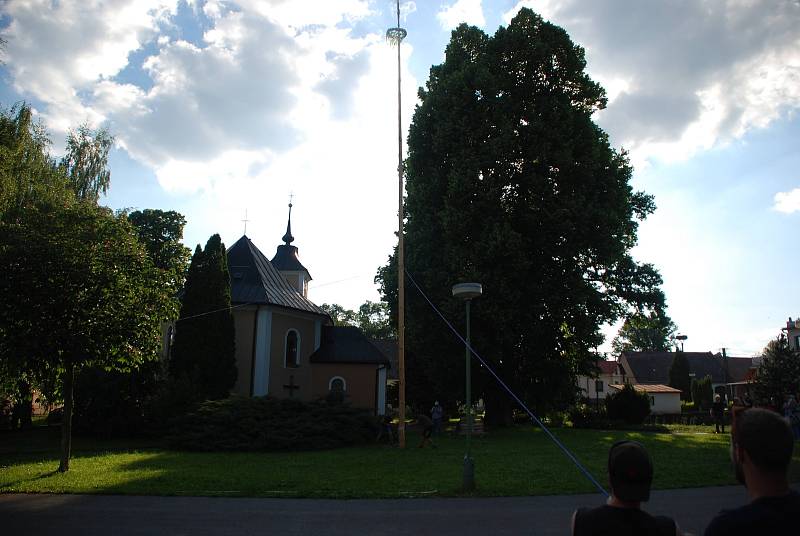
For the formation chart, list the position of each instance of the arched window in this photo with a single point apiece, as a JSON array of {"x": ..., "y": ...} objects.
[
  {"x": 292, "y": 355},
  {"x": 337, "y": 385}
]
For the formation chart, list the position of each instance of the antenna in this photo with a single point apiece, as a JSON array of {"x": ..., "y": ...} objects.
[{"x": 395, "y": 36}]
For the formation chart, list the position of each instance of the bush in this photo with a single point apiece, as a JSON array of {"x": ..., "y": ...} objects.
[
  {"x": 588, "y": 416},
  {"x": 266, "y": 423},
  {"x": 687, "y": 407},
  {"x": 628, "y": 405}
]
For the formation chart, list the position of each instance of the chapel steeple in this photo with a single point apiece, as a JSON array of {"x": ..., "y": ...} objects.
[{"x": 287, "y": 261}]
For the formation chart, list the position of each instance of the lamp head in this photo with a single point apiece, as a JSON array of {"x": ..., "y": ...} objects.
[{"x": 467, "y": 291}]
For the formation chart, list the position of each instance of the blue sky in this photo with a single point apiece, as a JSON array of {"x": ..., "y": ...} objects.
[{"x": 220, "y": 107}]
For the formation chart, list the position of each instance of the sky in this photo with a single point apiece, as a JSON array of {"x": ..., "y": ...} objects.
[{"x": 222, "y": 110}]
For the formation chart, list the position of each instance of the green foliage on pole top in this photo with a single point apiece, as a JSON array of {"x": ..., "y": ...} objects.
[
  {"x": 645, "y": 332},
  {"x": 511, "y": 184},
  {"x": 628, "y": 405},
  {"x": 679, "y": 375},
  {"x": 702, "y": 393},
  {"x": 203, "y": 352},
  {"x": 779, "y": 373}
]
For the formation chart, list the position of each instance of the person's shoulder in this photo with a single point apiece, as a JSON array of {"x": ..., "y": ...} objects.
[{"x": 770, "y": 512}]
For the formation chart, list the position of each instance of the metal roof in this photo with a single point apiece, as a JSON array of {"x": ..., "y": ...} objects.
[
  {"x": 286, "y": 259},
  {"x": 347, "y": 344},
  {"x": 254, "y": 280},
  {"x": 647, "y": 388},
  {"x": 653, "y": 367}
]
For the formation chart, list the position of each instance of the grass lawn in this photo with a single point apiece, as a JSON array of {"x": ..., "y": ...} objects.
[{"x": 519, "y": 461}]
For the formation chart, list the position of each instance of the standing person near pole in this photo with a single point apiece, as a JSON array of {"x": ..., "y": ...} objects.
[
  {"x": 718, "y": 413},
  {"x": 437, "y": 413},
  {"x": 427, "y": 429}
]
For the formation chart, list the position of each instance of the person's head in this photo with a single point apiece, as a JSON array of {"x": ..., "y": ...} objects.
[
  {"x": 716, "y": 398},
  {"x": 436, "y": 403},
  {"x": 630, "y": 471},
  {"x": 762, "y": 440}
]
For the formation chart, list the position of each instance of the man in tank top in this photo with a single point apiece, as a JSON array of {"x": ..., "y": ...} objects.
[{"x": 630, "y": 474}]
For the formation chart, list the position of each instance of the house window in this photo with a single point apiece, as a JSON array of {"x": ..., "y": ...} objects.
[
  {"x": 337, "y": 385},
  {"x": 598, "y": 386},
  {"x": 797, "y": 342},
  {"x": 292, "y": 355}
]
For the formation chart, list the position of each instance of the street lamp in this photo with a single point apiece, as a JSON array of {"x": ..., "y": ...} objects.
[{"x": 468, "y": 291}]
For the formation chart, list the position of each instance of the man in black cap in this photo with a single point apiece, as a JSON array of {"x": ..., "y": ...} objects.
[
  {"x": 630, "y": 474},
  {"x": 761, "y": 450}
]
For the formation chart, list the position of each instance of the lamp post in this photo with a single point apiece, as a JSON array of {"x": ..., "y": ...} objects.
[
  {"x": 468, "y": 291},
  {"x": 682, "y": 338}
]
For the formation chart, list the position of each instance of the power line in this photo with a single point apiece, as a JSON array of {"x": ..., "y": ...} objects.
[
  {"x": 533, "y": 417},
  {"x": 212, "y": 312}
]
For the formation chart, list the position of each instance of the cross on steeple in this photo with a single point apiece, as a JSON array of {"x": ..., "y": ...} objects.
[
  {"x": 245, "y": 220},
  {"x": 291, "y": 386}
]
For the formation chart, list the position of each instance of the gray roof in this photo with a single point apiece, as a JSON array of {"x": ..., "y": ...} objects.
[
  {"x": 254, "y": 280},
  {"x": 653, "y": 367},
  {"x": 388, "y": 347},
  {"x": 287, "y": 260},
  {"x": 347, "y": 344}
]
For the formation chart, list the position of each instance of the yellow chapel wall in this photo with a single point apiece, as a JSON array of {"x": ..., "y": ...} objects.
[
  {"x": 279, "y": 374},
  {"x": 244, "y": 322},
  {"x": 360, "y": 380}
]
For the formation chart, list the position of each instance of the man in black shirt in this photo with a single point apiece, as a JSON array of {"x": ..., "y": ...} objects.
[
  {"x": 630, "y": 473},
  {"x": 761, "y": 450}
]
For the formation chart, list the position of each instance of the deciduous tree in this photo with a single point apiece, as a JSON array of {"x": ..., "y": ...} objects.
[
  {"x": 645, "y": 332},
  {"x": 511, "y": 184},
  {"x": 78, "y": 291},
  {"x": 779, "y": 373},
  {"x": 86, "y": 161}
]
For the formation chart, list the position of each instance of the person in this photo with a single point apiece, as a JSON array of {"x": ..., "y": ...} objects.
[
  {"x": 436, "y": 414},
  {"x": 630, "y": 474},
  {"x": 427, "y": 429},
  {"x": 386, "y": 430},
  {"x": 748, "y": 402},
  {"x": 718, "y": 412},
  {"x": 761, "y": 450}
]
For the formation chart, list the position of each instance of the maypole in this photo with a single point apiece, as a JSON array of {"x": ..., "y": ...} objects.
[{"x": 395, "y": 36}]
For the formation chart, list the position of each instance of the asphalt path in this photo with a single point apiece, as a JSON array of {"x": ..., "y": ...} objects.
[{"x": 89, "y": 515}]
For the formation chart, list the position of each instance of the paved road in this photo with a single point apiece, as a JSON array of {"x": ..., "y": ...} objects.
[{"x": 63, "y": 515}]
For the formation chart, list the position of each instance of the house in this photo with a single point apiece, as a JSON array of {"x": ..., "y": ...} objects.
[
  {"x": 663, "y": 398},
  {"x": 792, "y": 330},
  {"x": 594, "y": 387},
  {"x": 286, "y": 346},
  {"x": 652, "y": 368}
]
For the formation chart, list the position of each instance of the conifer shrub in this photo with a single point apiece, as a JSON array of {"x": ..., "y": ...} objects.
[
  {"x": 628, "y": 405},
  {"x": 267, "y": 423}
]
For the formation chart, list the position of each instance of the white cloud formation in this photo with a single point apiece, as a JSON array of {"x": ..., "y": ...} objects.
[
  {"x": 56, "y": 50},
  {"x": 685, "y": 76},
  {"x": 787, "y": 202},
  {"x": 469, "y": 11}
]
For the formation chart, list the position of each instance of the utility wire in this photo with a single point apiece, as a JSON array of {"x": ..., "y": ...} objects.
[
  {"x": 533, "y": 417},
  {"x": 212, "y": 312}
]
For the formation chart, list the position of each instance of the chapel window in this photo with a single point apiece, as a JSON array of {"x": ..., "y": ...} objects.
[
  {"x": 292, "y": 358},
  {"x": 337, "y": 385}
]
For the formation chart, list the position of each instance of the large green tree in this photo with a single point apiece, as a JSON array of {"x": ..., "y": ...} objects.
[
  {"x": 86, "y": 161},
  {"x": 779, "y": 372},
  {"x": 77, "y": 291},
  {"x": 27, "y": 171},
  {"x": 511, "y": 184},
  {"x": 161, "y": 232},
  {"x": 203, "y": 353},
  {"x": 653, "y": 331}
]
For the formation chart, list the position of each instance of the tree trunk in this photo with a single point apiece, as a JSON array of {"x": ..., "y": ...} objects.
[
  {"x": 66, "y": 423},
  {"x": 499, "y": 409}
]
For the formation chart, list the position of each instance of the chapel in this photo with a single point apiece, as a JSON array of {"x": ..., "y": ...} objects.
[{"x": 287, "y": 346}]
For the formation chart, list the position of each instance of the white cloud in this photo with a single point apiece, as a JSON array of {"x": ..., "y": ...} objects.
[
  {"x": 787, "y": 202},
  {"x": 695, "y": 75},
  {"x": 469, "y": 11}
]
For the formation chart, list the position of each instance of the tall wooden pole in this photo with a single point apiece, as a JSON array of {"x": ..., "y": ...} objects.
[{"x": 395, "y": 36}]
